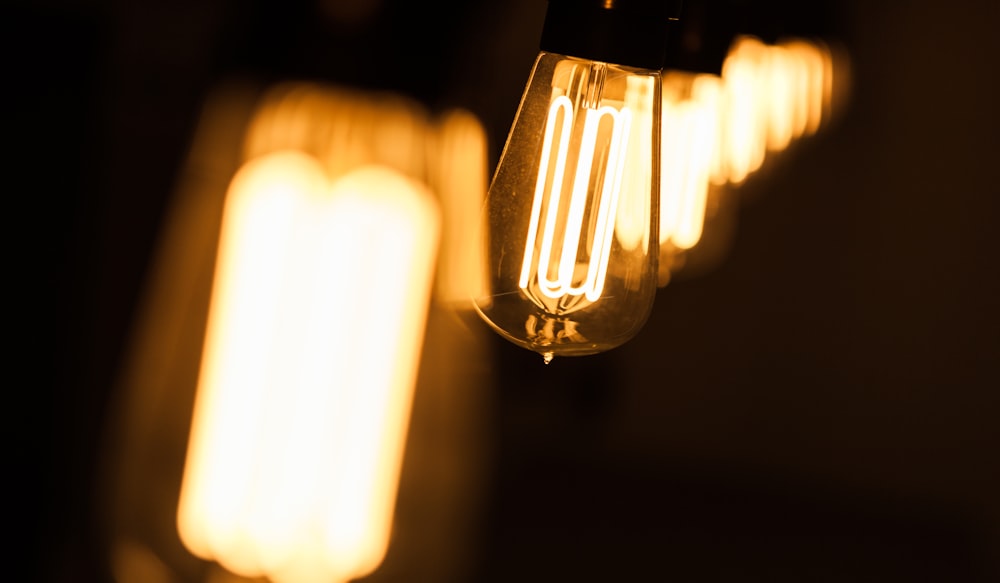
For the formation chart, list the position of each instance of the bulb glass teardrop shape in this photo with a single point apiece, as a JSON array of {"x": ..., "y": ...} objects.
[{"x": 571, "y": 214}]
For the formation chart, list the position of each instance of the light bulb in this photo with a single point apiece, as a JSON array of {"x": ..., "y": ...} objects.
[
  {"x": 689, "y": 149},
  {"x": 772, "y": 95},
  {"x": 319, "y": 310},
  {"x": 311, "y": 356},
  {"x": 571, "y": 213}
]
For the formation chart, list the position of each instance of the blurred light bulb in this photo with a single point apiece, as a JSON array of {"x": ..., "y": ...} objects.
[
  {"x": 311, "y": 356},
  {"x": 729, "y": 101},
  {"x": 689, "y": 152},
  {"x": 772, "y": 96},
  {"x": 571, "y": 212},
  {"x": 689, "y": 148},
  {"x": 457, "y": 172},
  {"x": 318, "y": 299}
]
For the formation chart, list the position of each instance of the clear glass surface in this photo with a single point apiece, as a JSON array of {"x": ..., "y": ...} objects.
[{"x": 571, "y": 214}]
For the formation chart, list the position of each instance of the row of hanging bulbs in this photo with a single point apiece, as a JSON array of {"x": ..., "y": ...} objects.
[
  {"x": 606, "y": 174},
  {"x": 349, "y": 214},
  {"x": 338, "y": 231}
]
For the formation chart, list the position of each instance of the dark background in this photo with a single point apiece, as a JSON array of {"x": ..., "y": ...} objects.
[{"x": 820, "y": 405}]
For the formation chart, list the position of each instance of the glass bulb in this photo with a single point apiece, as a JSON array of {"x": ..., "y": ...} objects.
[{"x": 571, "y": 214}]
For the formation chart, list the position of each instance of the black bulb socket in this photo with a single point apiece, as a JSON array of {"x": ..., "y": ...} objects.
[{"x": 633, "y": 33}]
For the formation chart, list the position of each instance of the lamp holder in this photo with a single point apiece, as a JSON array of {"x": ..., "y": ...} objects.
[{"x": 633, "y": 33}]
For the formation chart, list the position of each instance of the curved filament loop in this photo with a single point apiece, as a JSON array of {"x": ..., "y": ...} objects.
[
  {"x": 607, "y": 203},
  {"x": 564, "y": 103}
]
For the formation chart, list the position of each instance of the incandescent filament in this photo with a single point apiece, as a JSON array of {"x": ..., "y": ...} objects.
[{"x": 569, "y": 239}]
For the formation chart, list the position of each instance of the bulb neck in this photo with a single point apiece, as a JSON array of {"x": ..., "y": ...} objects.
[{"x": 632, "y": 33}]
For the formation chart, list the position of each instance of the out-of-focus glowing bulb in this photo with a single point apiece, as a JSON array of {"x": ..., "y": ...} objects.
[
  {"x": 744, "y": 110},
  {"x": 310, "y": 359},
  {"x": 571, "y": 212},
  {"x": 772, "y": 95},
  {"x": 718, "y": 129},
  {"x": 813, "y": 64},
  {"x": 457, "y": 172},
  {"x": 689, "y": 147}
]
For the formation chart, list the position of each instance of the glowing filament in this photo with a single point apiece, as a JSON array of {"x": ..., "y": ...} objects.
[{"x": 568, "y": 231}]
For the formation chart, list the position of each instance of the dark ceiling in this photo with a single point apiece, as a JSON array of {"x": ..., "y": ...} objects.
[{"x": 819, "y": 405}]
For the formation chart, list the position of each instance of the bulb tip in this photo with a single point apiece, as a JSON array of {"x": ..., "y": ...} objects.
[{"x": 547, "y": 357}]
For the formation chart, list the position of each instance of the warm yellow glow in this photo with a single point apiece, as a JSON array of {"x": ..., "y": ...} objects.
[
  {"x": 561, "y": 233},
  {"x": 815, "y": 77},
  {"x": 718, "y": 130},
  {"x": 632, "y": 219},
  {"x": 744, "y": 117},
  {"x": 458, "y": 174},
  {"x": 772, "y": 95},
  {"x": 689, "y": 148},
  {"x": 342, "y": 129},
  {"x": 571, "y": 210},
  {"x": 310, "y": 359},
  {"x": 779, "y": 76}
]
